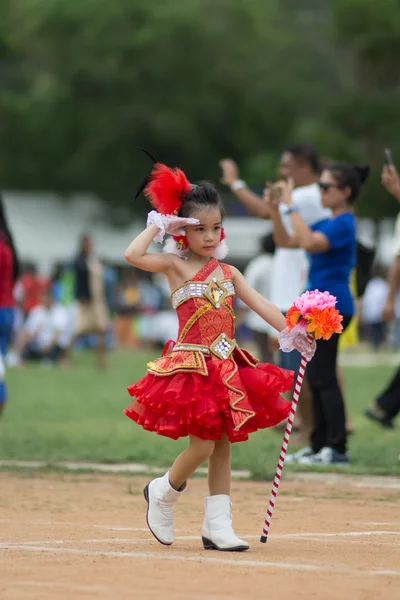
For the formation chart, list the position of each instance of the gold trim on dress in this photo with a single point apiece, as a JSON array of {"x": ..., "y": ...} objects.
[
  {"x": 247, "y": 356},
  {"x": 197, "y": 366},
  {"x": 195, "y": 317},
  {"x": 241, "y": 394},
  {"x": 229, "y": 309}
]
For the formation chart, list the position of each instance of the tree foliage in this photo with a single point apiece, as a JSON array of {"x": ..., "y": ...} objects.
[{"x": 83, "y": 83}]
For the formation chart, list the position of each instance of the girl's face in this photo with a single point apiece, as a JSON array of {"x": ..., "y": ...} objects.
[
  {"x": 333, "y": 196},
  {"x": 205, "y": 237}
]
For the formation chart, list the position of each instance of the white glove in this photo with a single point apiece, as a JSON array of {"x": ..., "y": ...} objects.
[
  {"x": 168, "y": 224},
  {"x": 297, "y": 340}
]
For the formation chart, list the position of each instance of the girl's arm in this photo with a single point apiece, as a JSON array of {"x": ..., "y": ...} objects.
[
  {"x": 136, "y": 254},
  {"x": 267, "y": 311}
]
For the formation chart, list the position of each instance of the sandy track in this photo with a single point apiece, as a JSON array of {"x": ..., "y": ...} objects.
[{"x": 84, "y": 537}]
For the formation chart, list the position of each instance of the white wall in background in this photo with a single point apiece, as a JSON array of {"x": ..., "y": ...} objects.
[{"x": 47, "y": 230}]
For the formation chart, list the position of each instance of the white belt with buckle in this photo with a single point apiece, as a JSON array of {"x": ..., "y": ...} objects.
[{"x": 222, "y": 347}]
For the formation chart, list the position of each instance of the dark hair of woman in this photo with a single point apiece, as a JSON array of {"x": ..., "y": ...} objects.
[
  {"x": 351, "y": 176},
  {"x": 202, "y": 195},
  {"x": 5, "y": 229}
]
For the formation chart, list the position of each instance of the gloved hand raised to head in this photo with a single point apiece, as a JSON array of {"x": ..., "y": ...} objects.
[{"x": 169, "y": 224}]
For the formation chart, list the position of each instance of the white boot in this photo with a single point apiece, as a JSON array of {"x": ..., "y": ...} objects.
[
  {"x": 161, "y": 497},
  {"x": 217, "y": 526}
]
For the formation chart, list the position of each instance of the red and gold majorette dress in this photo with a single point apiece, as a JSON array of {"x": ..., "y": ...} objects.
[{"x": 207, "y": 385}]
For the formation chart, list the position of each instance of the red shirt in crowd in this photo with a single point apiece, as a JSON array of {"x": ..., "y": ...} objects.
[
  {"x": 29, "y": 289},
  {"x": 6, "y": 274}
]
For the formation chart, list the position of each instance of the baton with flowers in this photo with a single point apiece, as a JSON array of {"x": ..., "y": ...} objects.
[{"x": 314, "y": 313}]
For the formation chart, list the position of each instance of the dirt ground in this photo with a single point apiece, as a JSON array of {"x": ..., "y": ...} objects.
[{"x": 84, "y": 537}]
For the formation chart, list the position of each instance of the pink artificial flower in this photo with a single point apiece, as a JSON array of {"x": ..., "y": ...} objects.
[{"x": 315, "y": 299}]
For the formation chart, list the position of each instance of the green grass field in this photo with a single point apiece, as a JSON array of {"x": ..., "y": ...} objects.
[{"x": 77, "y": 414}]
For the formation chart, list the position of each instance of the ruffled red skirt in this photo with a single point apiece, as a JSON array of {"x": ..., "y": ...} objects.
[{"x": 190, "y": 403}]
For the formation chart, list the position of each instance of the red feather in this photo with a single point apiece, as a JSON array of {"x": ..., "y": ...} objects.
[{"x": 166, "y": 189}]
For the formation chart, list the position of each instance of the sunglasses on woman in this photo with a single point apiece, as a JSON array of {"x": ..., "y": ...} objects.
[{"x": 324, "y": 187}]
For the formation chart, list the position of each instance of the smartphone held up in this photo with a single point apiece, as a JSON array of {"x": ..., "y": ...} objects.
[{"x": 388, "y": 157}]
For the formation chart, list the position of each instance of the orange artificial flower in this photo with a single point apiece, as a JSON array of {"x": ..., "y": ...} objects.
[
  {"x": 292, "y": 317},
  {"x": 323, "y": 324}
]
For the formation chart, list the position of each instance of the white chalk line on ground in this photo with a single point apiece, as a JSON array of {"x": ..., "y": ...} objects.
[
  {"x": 136, "y": 468},
  {"x": 293, "y": 476},
  {"x": 145, "y": 529},
  {"x": 165, "y": 556},
  {"x": 375, "y": 523},
  {"x": 317, "y": 537},
  {"x": 73, "y": 587},
  {"x": 112, "y": 591},
  {"x": 73, "y": 524}
]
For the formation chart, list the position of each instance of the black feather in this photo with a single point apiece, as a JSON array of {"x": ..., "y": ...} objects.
[
  {"x": 141, "y": 187},
  {"x": 145, "y": 181},
  {"x": 148, "y": 154}
]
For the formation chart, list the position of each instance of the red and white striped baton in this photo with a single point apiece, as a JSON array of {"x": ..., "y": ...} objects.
[{"x": 282, "y": 456}]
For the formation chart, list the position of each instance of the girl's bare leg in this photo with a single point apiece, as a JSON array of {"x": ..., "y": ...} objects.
[
  {"x": 189, "y": 460},
  {"x": 219, "y": 468}
]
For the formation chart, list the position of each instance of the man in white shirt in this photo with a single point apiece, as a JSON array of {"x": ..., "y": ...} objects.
[
  {"x": 290, "y": 266},
  {"x": 46, "y": 334}
]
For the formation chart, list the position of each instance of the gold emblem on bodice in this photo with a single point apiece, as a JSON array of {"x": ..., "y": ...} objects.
[{"x": 215, "y": 293}]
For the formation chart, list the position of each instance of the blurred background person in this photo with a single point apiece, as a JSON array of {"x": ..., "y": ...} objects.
[
  {"x": 56, "y": 284},
  {"x": 288, "y": 276},
  {"x": 331, "y": 245},
  {"x": 90, "y": 296},
  {"x": 387, "y": 405},
  {"x": 29, "y": 287},
  {"x": 27, "y": 292},
  {"x": 372, "y": 307},
  {"x": 9, "y": 272},
  {"x": 126, "y": 309},
  {"x": 45, "y": 335},
  {"x": 258, "y": 276},
  {"x": 300, "y": 162},
  {"x": 150, "y": 326}
]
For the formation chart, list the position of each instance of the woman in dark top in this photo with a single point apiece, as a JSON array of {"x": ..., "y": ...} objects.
[
  {"x": 331, "y": 244},
  {"x": 9, "y": 273}
]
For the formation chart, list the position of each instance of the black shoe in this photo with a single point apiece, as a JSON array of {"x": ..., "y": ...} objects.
[{"x": 372, "y": 414}]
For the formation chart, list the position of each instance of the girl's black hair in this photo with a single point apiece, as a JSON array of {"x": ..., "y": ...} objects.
[
  {"x": 5, "y": 229},
  {"x": 351, "y": 176},
  {"x": 202, "y": 195}
]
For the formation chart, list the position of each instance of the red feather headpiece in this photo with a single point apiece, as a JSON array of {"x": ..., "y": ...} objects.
[{"x": 166, "y": 189}]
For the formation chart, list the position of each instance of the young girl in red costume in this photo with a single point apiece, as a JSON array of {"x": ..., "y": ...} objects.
[{"x": 205, "y": 386}]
